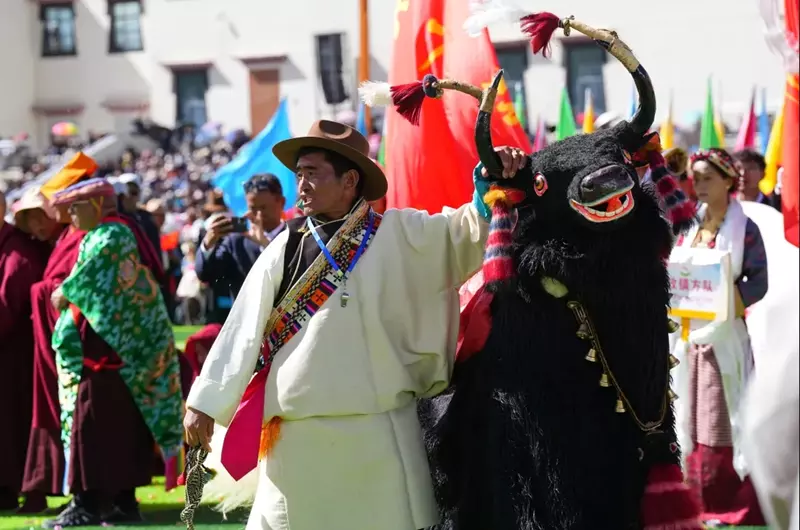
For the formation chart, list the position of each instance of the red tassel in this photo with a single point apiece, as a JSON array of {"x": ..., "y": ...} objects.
[
  {"x": 668, "y": 503},
  {"x": 408, "y": 100},
  {"x": 540, "y": 28}
]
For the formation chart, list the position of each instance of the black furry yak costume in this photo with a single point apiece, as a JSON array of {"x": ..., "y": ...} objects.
[{"x": 559, "y": 414}]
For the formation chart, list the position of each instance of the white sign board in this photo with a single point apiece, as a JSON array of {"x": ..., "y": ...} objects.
[{"x": 700, "y": 283}]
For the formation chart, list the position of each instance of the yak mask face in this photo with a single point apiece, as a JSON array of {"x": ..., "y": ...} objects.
[{"x": 589, "y": 180}]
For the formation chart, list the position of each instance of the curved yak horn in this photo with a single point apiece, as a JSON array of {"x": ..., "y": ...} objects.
[
  {"x": 540, "y": 27},
  {"x": 483, "y": 129}
]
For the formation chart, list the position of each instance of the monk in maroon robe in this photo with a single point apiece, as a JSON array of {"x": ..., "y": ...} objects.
[
  {"x": 21, "y": 265},
  {"x": 44, "y": 465}
]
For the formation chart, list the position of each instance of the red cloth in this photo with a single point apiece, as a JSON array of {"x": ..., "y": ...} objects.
[
  {"x": 204, "y": 339},
  {"x": 44, "y": 466},
  {"x": 430, "y": 166},
  {"x": 667, "y": 501},
  {"x": 21, "y": 265},
  {"x": 292, "y": 213},
  {"x": 147, "y": 254},
  {"x": 790, "y": 193},
  {"x": 475, "y": 325},
  {"x": 722, "y": 494}
]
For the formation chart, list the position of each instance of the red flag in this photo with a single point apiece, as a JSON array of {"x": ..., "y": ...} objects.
[
  {"x": 746, "y": 139},
  {"x": 430, "y": 166},
  {"x": 791, "y": 138}
]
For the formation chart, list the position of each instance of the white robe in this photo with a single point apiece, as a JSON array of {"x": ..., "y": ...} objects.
[
  {"x": 729, "y": 338},
  {"x": 351, "y": 454},
  {"x": 772, "y": 405}
]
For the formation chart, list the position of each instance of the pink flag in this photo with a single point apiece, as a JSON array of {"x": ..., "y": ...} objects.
[
  {"x": 746, "y": 139},
  {"x": 540, "y": 141}
]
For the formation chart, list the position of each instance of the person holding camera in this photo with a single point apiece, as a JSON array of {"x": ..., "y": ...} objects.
[{"x": 229, "y": 247}]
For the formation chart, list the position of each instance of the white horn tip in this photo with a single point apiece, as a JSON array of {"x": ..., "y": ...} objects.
[{"x": 375, "y": 94}]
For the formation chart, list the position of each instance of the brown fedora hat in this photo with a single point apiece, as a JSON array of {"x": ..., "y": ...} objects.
[{"x": 343, "y": 140}]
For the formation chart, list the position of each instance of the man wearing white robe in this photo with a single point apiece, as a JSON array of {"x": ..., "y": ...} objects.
[{"x": 350, "y": 454}]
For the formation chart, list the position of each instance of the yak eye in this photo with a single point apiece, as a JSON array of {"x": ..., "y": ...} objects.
[
  {"x": 539, "y": 184},
  {"x": 627, "y": 156}
]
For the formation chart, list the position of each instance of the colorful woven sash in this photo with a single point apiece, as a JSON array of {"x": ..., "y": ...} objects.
[{"x": 249, "y": 438}]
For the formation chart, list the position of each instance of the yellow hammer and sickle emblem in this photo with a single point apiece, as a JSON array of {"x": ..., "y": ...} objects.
[{"x": 433, "y": 28}]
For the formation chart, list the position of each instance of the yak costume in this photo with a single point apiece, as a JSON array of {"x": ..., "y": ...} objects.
[{"x": 558, "y": 416}]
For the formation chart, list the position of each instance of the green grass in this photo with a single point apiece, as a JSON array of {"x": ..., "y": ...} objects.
[
  {"x": 181, "y": 334},
  {"x": 160, "y": 509}
]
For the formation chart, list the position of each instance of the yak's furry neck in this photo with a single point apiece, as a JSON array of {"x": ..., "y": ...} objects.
[{"x": 620, "y": 277}]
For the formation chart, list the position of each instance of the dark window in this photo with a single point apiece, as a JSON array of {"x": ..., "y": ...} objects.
[
  {"x": 58, "y": 30},
  {"x": 126, "y": 30},
  {"x": 584, "y": 64},
  {"x": 190, "y": 93},
  {"x": 513, "y": 59}
]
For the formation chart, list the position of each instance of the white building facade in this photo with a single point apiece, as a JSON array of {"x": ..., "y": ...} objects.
[{"x": 100, "y": 63}]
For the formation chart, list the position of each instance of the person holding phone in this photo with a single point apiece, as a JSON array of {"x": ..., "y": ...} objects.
[{"x": 231, "y": 245}]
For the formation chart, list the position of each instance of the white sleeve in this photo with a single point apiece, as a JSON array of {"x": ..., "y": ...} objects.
[
  {"x": 457, "y": 236},
  {"x": 232, "y": 360}
]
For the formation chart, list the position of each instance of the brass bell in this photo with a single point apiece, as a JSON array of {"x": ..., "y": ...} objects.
[
  {"x": 673, "y": 362},
  {"x": 583, "y": 332},
  {"x": 591, "y": 356},
  {"x": 620, "y": 408},
  {"x": 604, "y": 381},
  {"x": 671, "y": 395},
  {"x": 672, "y": 326}
]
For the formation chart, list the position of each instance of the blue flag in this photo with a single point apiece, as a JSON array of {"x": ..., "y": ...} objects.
[
  {"x": 361, "y": 120},
  {"x": 256, "y": 157},
  {"x": 763, "y": 124}
]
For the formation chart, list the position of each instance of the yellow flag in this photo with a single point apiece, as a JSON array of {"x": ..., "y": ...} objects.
[
  {"x": 667, "y": 131},
  {"x": 773, "y": 155},
  {"x": 588, "y": 112},
  {"x": 719, "y": 126}
]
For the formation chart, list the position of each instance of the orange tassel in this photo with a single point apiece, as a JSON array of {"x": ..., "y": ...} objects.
[{"x": 270, "y": 434}]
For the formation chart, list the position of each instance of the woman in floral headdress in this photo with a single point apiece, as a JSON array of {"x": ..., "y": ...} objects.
[{"x": 719, "y": 354}]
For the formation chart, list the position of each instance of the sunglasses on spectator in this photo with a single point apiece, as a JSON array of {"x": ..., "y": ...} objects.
[{"x": 263, "y": 183}]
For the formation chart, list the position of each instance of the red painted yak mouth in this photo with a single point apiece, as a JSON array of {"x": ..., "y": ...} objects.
[{"x": 607, "y": 209}]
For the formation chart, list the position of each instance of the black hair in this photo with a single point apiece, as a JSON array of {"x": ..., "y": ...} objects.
[
  {"x": 750, "y": 156},
  {"x": 264, "y": 182},
  {"x": 341, "y": 164}
]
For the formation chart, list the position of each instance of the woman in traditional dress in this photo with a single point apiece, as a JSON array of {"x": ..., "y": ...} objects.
[{"x": 719, "y": 354}]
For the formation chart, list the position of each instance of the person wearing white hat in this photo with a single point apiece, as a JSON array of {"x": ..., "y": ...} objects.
[{"x": 34, "y": 215}]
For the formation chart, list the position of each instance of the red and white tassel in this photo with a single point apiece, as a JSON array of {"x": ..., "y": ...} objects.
[
  {"x": 540, "y": 27},
  {"x": 407, "y": 99}
]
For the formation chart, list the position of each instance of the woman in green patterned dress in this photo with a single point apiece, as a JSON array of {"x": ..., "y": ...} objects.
[{"x": 116, "y": 359}]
